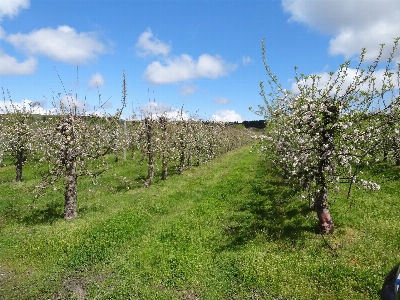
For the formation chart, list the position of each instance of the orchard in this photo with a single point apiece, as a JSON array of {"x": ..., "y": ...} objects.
[{"x": 69, "y": 143}]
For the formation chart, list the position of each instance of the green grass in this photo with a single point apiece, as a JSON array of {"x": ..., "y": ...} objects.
[{"x": 228, "y": 229}]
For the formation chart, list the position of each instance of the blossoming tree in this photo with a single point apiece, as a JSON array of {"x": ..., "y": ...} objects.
[
  {"x": 327, "y": 129},
  {"x": 75, "y": 144},
  {"x": 17, "y": 132}
]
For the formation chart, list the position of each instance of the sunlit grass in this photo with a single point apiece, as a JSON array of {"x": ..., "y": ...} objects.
[{"x": 228, "y": 229}]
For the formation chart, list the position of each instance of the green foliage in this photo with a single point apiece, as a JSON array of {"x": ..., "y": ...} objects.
[{"x": 224, "y": 230}]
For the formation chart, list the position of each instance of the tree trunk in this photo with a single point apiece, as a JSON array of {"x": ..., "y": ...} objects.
[
  {"x": 326, "y": 148},
  {"x": 69, "y": 162},
  {"x": 321, "y": 207},
  {"x": 150, "y": 171},
  {"x": 182, "y": 156},
  {"x": 70, "y": 207},
  {"x": 150, "y": 152},
  {"x": 164, "y": 156},
  {"x": 385, "y": 155},
  {"x": 189, "y": 159},
  {"x": 21, "y": 158},
  {"x": 181, "y": 161},
  {"x": 164, "y": 174},
  {"x": 396, "y": 151},
  {"x": 182, "y": 150},
  {"x": 199, "y": 155}
]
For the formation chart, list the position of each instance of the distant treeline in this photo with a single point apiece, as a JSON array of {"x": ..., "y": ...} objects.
[{"x": 260, "y": 124}]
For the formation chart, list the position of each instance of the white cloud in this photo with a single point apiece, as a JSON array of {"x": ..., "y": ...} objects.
[
  {"x": 221, "y": 100},
  {"x": 96, "y": 80},
  {"x": 61, "y": 44},
  {"x": 354, "y": 24},
  {"x": 246, "y": 60},
  {"x": 12, "y": 8},
  {"x": 184, "y": 68},
  {"x": 64, "y": 105},
  {"x": 172, "y": 69},
  {"x": 348, "y": 41},
  {"x": 27, "y": 105},
  {"x": 351, "y": 73},
  {"x": 188, "y": 89},
  {"x": 10, "y": 65},
  {"x": 226, "y": 116},
  {"x": 176, "y": 115},
  {"x": 149, "y": 45},
  {"x": 2, "y": 33},
  {"x": 156, "y": 109}
]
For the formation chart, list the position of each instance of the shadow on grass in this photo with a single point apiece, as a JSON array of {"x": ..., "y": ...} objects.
[
  {"x": 51, "y": 212},
  {"x": 270, "y": 211},
  {"x": 389, "y": 171}
]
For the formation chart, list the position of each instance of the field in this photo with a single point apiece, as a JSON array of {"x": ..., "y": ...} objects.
[{"x": 228, "y": 229}]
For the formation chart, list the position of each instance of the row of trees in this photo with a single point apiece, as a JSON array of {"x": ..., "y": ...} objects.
[
  {"x": 328, "y": 130},
  {"x": 69, "y": 143},
  {"x": 64, "y": 144},
  {"x": 183, "y": 143}
]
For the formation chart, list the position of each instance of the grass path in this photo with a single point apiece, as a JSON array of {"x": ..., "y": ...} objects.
[{"x": 225, "y": 230}]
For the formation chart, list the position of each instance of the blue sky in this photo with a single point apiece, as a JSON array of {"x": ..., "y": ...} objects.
[{"x": 204, "y": 56}]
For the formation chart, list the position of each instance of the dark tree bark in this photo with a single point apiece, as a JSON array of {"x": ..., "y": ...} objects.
[
  {"x": 182, "y": 158},
  {"x": 189, "y": 160},
  {"x": 182, "y": 150},
  {"x": 150, "y": 152},
  {"x": 321, "y": 205},
  {"x": 70, "y": 206},
  {"x": 66, "y": 128},
  {"x": 385, "y": 155},
  {"x": 164, "y": 174},
  {"x": 164, "y": 156},
  {"x": 19, "y": 163},
  {"x": 199, "y": 155},
  {"x": 396, "y": 152}
]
